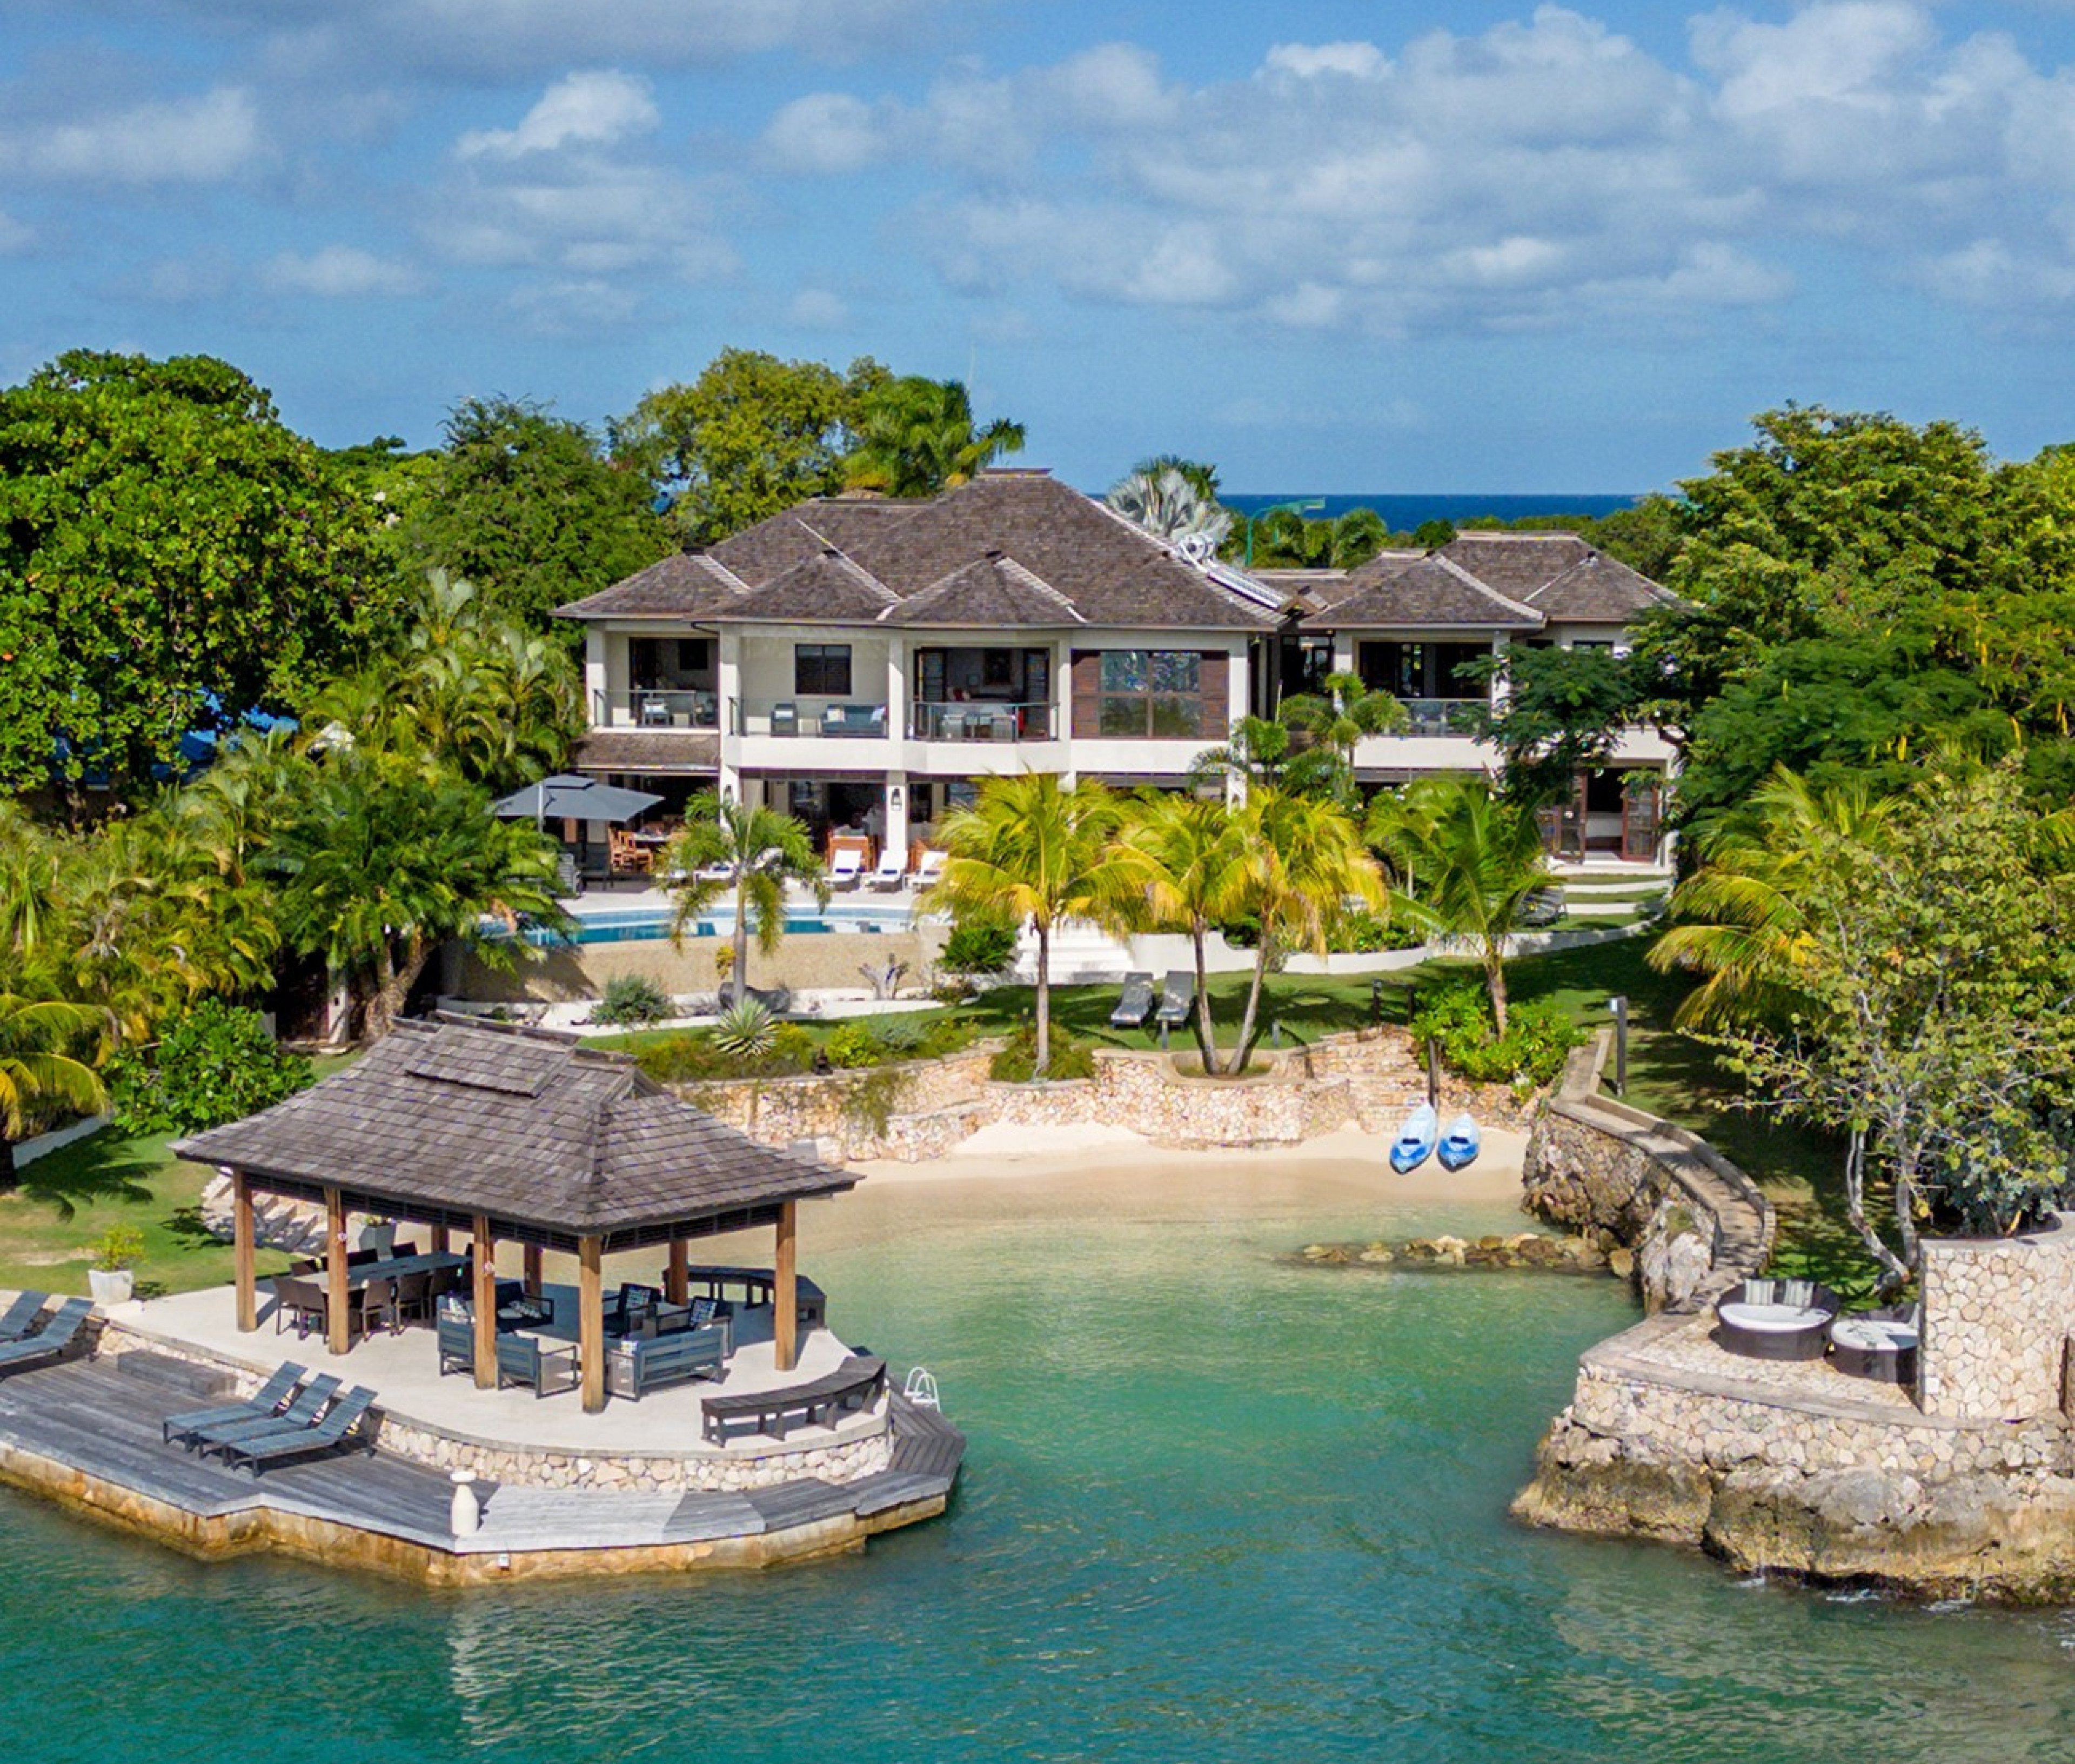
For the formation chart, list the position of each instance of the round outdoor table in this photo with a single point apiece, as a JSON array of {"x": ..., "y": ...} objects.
[{"x": 1882, "y": 1348}]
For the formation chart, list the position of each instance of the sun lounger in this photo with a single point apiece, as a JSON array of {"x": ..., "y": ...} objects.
[
  {"x": 21, "y": 1315},
  {"x": 845, "y": 868},
  {"x": 308, "y": 1405},
  {"x": 891, "y": 872},
  {"x": 1134, "y": 1004},
  {"x": 929, "y": 872},
  {"x": 264, "y": 1403},
  {"x": 58, "y": 1335},
  {"x": 1177, "y": 995},
  {"x": 340, "y": 1423}
]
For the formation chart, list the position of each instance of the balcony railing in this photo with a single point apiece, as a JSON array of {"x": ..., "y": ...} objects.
[
  {"x": 979, "y": 720},
  {"x": 834, "y": 718},
  {"x": 1442, "y": 716},
  {"x": 656, "y": 707}
]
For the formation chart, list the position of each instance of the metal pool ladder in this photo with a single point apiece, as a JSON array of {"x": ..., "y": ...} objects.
[{"x": 920, "y": 1390}]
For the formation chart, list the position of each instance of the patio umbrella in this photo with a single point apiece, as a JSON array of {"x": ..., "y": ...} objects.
[{"x": 570, "y": 796}]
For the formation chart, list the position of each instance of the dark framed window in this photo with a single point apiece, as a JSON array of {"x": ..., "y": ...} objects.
[
  {"x": 1153, "y": 692},
  {"x": 821, "y": 670}
]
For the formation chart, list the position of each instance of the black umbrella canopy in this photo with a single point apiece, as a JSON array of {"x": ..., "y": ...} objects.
[{"x": 568, "y": 796}]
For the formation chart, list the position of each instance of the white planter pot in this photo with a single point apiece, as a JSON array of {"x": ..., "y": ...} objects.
[
  {"x": 111, "y": 1286},
  {"x": 381, "y": 1239}
]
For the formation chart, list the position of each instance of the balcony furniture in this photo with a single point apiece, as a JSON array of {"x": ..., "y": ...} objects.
[
  {"x": 785, "y": 719},
  {"x": 1876, "y": 1344},
  {"x": 1178, "y": 994},
  {"x": 53, "y": 1342},
  {"x": 21, "y": 1315},
  {"x": 853, "y": 720},
  {"x": 264, "y": 1403},
  {"x": 346, "y": 1422},
  {"x": 1777, "y": 1319},
  {"x": 629, "y": 857},
  {"x": 655, "y": 712},
  {"x": 634, "y": 1367},
  {"x": 856, "y": 1384},
  {"x": 1134, "y": 1004}
]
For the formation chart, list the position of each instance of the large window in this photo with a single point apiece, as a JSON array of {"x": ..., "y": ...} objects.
[
  {"x": 1156, "y": 693},
  {"x": 821, "y": 670},
  {"x": 1420, "y": 670}
]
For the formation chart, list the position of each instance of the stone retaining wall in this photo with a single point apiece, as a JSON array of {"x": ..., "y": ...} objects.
[
  {"x": 805, "y": 961},
  {"x": 1696, "y": 1223},
  {"x": 1997, "y": 1315},
  {"x": 1368, "y": 1078}
]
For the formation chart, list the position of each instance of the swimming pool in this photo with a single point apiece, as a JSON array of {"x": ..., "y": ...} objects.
[{"x": 650, "y": 924}]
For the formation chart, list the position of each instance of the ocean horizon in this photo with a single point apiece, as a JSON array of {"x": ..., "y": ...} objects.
[{"x": 1405, "y": 512}]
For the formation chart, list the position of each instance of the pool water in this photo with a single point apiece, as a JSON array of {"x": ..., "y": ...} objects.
[
  {"x": 1218, "y": 1505},
  {"x": 645, "y": 924}
]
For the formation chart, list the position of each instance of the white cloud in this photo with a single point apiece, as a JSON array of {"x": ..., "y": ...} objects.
[
  {"x": 816, "y": 310},
  {"x": 199, "y": 140},
  {"x": 1542, "y": 171},
  {"x": 339, "y": 272},
  {"x": 594, "y": 108}
]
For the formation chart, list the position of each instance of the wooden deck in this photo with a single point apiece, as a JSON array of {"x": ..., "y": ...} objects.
[{"x": 101, "y": 1429}]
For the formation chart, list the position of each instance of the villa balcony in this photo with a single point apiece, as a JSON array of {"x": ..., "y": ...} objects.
[
  {"x": 1442, "y": 716},
  {"x": 656, "y": 707},
  {"x": 982, "y": 720},
  {"x": 797, "y": 719}
]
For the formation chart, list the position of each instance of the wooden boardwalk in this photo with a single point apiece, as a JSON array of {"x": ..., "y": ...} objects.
[{"x": 105, "y": 1427}]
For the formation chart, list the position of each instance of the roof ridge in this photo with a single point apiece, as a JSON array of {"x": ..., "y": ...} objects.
[{"x": 1483, "y": 587}]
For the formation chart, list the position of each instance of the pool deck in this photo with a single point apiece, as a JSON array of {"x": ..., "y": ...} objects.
[{"x": 88, "y": 1434}]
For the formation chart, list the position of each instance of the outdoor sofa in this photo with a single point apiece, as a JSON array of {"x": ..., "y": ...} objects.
[{"x": 1777, "y": 1319}]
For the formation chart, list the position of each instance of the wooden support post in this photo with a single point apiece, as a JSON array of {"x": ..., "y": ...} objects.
[
  {"x": 676, "y": 1278},
  {"x": 439, "y": 1240},
  {"x": 786, "y": 1301},
  {"x": 242, "y": 1240},
  {"x": 590, "y": 1322},
  {"x": 483, "y": 1304},
  {"x": 338, "y": 1321},
  {"x": 532, "y": 1277}
]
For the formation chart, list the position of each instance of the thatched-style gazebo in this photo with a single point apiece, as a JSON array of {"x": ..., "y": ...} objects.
[{"x": 518, "y": 1135}]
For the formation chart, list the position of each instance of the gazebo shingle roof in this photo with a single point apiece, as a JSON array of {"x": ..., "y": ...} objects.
[{"x": 453, "y": 1118}]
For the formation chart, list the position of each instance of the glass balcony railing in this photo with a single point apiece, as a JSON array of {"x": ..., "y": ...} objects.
[
  {"x": 979, "y": 720},
  {"x": 837, "y": 719},
  {"x": 1442, "y": 716},
  {"x": 656, "y": 707}
]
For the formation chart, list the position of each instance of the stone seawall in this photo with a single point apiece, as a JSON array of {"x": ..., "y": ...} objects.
[{"x": 1368, "y": 1078}]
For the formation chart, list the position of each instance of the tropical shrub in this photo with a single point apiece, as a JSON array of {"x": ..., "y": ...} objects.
[
  {"x": 633, "y": 999},
  {"x": 1361, "y": 932},
  {"x": 855, "y": 1045},
  {"x": 117, "y": 1248},
  {"x": 979, "y": 943},
  {"x": 216, "y": 1063},
  {"x": 1017, "y": 1062},
  {"x": 1539, "y": 1036},
  {"x": 745, "y": 1028}
]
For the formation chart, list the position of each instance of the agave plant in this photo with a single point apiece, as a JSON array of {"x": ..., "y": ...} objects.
[{"x": 745, "y": 1029}]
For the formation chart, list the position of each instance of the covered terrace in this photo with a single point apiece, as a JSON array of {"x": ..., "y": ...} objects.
[{"x": 503, "y": 1134}]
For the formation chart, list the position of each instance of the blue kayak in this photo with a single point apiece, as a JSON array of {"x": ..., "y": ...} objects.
[
  {"x": 1461, "y": 1144},
  {"x": 1415, "y": 1139}
]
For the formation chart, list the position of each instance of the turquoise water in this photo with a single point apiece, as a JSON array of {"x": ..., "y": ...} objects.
[
  {"x": 646, "y": 924},
  {"x": 1216, "y": 1507}
]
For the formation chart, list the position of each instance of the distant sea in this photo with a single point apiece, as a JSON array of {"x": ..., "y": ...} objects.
[{"x": 1405, "y": 513}]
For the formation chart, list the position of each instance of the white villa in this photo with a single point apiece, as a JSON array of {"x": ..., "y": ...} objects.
[{"x": 861, "y": 662}]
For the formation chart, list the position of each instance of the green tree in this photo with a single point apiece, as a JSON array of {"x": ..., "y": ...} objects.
[
  {"x": 525, "y": 505},
  {"x": 1167, "y": 504},
  {"x": 1345, "y": 715},
  {"x": 1201, "y": 476},
  {"x": 1921, "y": 970},
  {"x": 748, "y": 439},
  {"x": 39, "y": 1040},
  {"x": 380, "y": 864},
  {"x": 1035, "y": 851},
  {"x": 1305, "y": 864},
  {"x": 746, "y": 854},
  {"x": 170, "y": 558},
  {"x": 916, "y": 437},
  {"x": 1561, "y": 713},
  {"x": 1471, "y": 858}
]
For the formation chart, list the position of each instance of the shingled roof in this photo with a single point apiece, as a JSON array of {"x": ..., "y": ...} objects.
[
  {"x": 1103, "y": 569},
  {"x": 1558, "y": 575},
  {"x": 686, "y": 585},
  {"x": 555, "y": 1141},
  {"x": 1430, "y": 591}
]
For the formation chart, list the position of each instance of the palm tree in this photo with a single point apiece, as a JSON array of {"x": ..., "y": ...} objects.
[
  {"x": 749, "y": 853},
  {"x": 381, "y": 864},
  {"x": 1474, "y": 857},
  {"x": 916, "y": 437},
  {"x": 1744, "y": 927},
  {"x": 1357, "y": 536},
  {"x": 1167, "y": 505},
  {"x": 1182, "y": 864},
  {"x": 37, "y": 1066},
  {"x": 1339, "y": 717},
  {"x": 1028, "y": 849},
  {"x": 1305, "y": 861}
]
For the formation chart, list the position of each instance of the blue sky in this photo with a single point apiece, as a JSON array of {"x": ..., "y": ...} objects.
[{"x": 1331, "y": 246}]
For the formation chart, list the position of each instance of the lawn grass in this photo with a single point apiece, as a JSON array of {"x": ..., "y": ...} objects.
[{"x": 62, "y": 1203}]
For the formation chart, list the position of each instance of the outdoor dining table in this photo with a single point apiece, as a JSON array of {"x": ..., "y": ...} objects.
[{"x": 397, "y": 1267}]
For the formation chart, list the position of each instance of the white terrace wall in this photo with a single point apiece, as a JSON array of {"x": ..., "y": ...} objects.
[
  {"x": 828, "y": 960},
  {"x": 1997, "y": 1317}
]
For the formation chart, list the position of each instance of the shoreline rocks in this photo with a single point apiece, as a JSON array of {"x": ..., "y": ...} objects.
[{"x": 1525, "y": 1250}]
